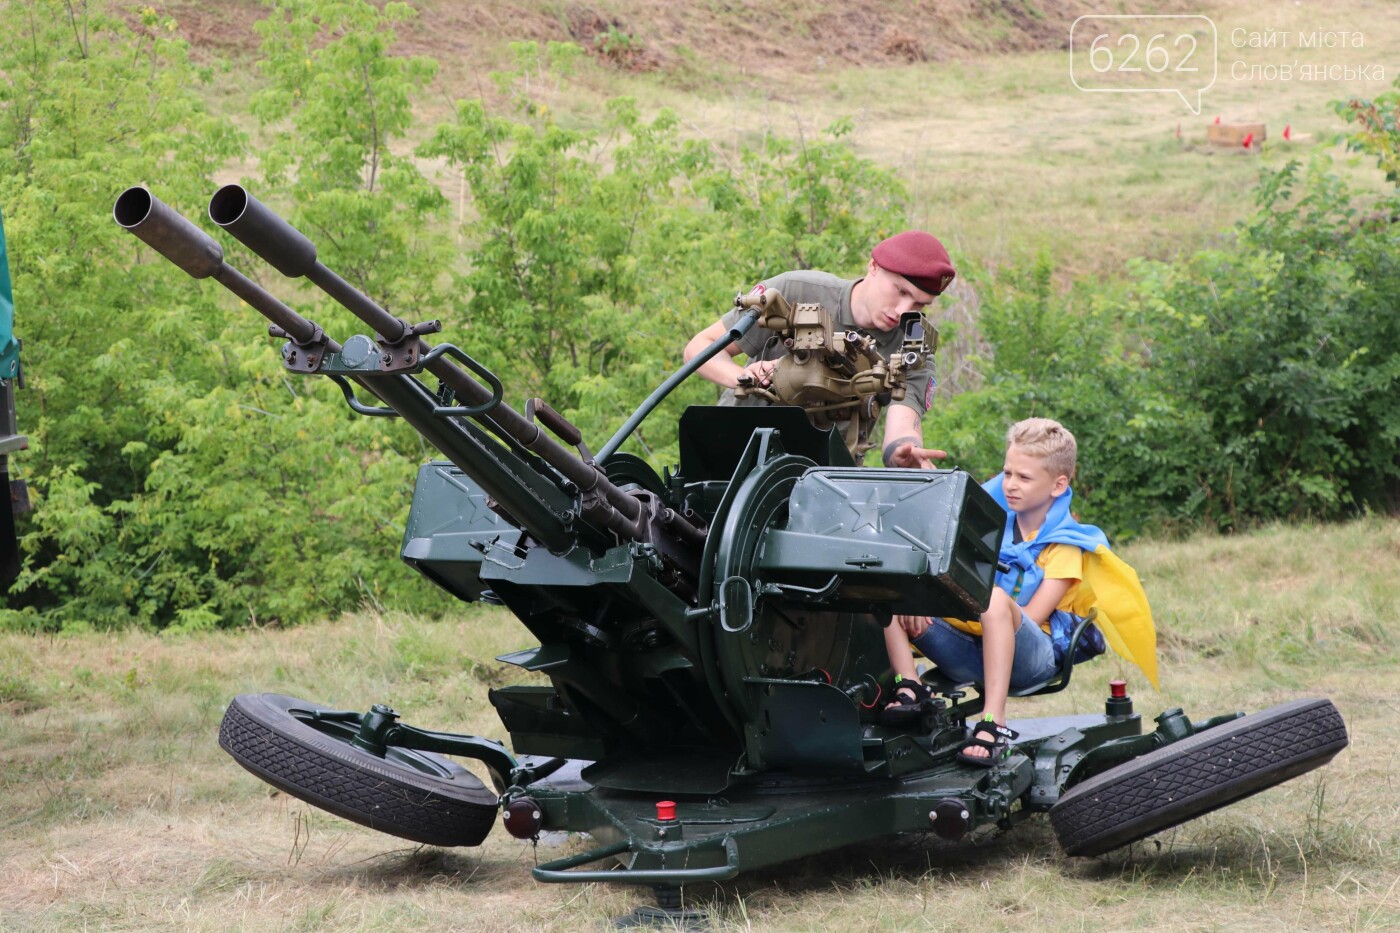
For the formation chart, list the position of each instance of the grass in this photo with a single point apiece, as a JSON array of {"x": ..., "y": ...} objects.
[
  {"x": 1005, "y": 158},
  {"x": 120, "y": 812}
]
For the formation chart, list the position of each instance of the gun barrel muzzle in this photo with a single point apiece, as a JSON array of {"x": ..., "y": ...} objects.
[
  {"x": 168, "y": 233},
  {"x": 264, "y": 232},
  {"x": 190, "y": 248}
]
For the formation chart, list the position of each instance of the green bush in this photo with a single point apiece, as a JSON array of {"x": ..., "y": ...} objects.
[
  {"x": 589, "y": 273},
  {"x": 1287, "y": 345},
  {"x": 1073, "y": 357},
  {"x": 1243, "y": 384},
  {"x": 1377, "y": 129}
]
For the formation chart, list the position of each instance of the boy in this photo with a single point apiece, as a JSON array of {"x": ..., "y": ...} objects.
[{"x": 1011, "y": 644}]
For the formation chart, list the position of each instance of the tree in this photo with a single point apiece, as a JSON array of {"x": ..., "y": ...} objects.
[
  {"x": 597, "y": 254},
  {"x": 1377, "y": 130},
  {"x": 90, "y": 98},
  {"x": 164, "y": 426}
]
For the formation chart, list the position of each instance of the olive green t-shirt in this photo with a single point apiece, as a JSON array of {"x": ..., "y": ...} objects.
[{"x": 834, "y": 294}]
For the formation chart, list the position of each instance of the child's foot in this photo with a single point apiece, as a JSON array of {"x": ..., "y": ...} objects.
[
  {"x": 989, "y": 743},
  {"x": 906, "y": 702}
]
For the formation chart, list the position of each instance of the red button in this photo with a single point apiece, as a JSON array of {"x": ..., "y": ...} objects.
[
  {"x": 666, "y": 810},
  {"x": 1118, "y": 689}
]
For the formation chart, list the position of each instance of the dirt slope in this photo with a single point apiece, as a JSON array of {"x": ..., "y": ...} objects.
[{"x": 760, "y": 36}]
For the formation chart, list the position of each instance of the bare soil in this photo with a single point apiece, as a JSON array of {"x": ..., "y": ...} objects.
[{"x": 760, "y": 36}]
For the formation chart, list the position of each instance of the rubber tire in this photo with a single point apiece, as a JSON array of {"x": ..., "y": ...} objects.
[
  {"x": 1197, "y": 775},
  {"x": 450, "y": 807}
]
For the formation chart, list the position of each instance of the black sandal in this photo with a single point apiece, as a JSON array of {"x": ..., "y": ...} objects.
[
  {"x": 992, "y": 737},
  {"x": 908, "y": 701}
]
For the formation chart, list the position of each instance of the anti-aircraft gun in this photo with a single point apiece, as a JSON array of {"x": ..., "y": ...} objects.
[{"x": 711, "y": 638}]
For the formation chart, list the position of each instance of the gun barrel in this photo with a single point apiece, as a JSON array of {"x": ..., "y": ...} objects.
[
  {"x": 169, "y": 233},
  {"x": 190, "y": 248},
  {"x": 263, "y": 231},
  {"x": 176, "y": 238},
  {"x": 289, "y": 251}
]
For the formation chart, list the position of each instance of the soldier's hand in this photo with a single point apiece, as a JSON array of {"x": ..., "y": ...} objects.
[
  {"x": 761, "y": 371},
  {"x": 911, "y": 457}
]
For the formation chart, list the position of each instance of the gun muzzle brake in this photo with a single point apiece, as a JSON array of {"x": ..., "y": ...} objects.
[
  {"x": 257, "y": 227},
  {"x": 168, "y": 233}
]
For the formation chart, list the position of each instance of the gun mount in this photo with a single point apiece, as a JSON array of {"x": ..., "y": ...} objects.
[{"x": 711, "y": 639}]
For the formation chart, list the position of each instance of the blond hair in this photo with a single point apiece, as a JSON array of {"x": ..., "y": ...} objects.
[{"x": 1047, "y": 439}]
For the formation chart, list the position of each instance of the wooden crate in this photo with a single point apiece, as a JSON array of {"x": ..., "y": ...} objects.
[{"x": 1233, "y": 134}]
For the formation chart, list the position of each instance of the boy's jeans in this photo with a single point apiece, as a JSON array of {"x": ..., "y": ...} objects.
[{"x": 959, "y": 655}]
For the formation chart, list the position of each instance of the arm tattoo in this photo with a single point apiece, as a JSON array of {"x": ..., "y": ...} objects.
[{"x": 887, "y": 455}]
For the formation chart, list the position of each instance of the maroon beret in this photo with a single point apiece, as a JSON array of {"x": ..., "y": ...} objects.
[{"x": 917, "y": 256}]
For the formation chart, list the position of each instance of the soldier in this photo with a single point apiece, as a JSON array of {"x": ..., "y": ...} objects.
[{"x": 906, "y": 273}]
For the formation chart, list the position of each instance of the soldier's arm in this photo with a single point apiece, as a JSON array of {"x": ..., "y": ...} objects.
[
  {"x": 904, "y": 440},
  {"x": 721, "y": 368}
]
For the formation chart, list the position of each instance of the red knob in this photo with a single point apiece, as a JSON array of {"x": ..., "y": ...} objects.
[
  {"x": 666, "y": 810},
  {"x": 1118, "y": 689}
]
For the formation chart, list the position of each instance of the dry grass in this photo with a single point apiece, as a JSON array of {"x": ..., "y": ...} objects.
[
  {"x": 1003, "y": 156},
  {"x": 120, "y": 812}
]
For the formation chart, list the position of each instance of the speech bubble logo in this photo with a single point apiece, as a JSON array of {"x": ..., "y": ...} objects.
[{"x": 1149, "y": 54}]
